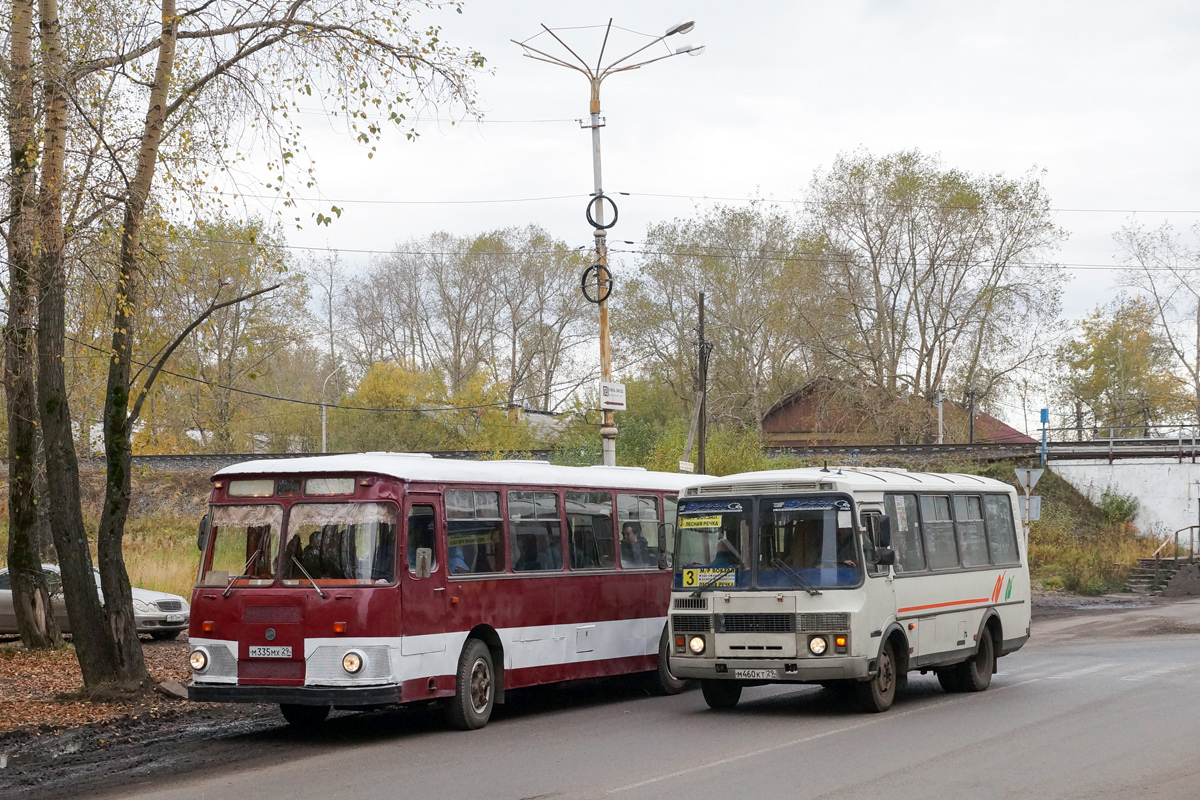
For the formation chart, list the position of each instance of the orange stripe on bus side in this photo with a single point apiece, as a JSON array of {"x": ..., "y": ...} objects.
[{"x": 942, "y": 605}]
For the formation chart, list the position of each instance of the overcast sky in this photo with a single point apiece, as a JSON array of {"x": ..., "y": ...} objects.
[{"x": 1101, "y": 95}]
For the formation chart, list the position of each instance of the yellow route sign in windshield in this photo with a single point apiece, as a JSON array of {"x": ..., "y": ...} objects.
[
  {"x": 694, "y": 578},
  {"x": 700, "y": 522}
]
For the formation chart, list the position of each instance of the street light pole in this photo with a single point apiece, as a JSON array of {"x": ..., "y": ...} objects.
[
  {"x": 596, "y": 76},
  {"x": 323, "y": 386}
]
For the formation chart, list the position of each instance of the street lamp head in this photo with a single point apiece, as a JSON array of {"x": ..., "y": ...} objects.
[
  {"x": 690, "y": 49},
  {"x": 683, "y": 26}
]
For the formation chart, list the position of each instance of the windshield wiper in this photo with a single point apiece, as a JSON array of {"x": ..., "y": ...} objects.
[
  {"x": 795, "y": 575},
  {"x": 711, "y": 581},
  {"x": 245, "y": 567},
  {"x": 310, "y": 578}
]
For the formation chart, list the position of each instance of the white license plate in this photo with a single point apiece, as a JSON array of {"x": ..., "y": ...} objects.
[
  {"x": 755, "y": 674},
  {"x": 175, "y": 618},
  {"x": 270, "y": 652}
]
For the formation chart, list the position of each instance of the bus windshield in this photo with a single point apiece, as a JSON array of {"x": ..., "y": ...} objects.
[
  {"x": 340, "y": 543},
  {"x": 245, "y": 545},
  {"x": 713, "y": 544},
  {"x": 806, "y": 543}
]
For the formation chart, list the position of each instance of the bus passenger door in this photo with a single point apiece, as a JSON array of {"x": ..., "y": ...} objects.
[
  {"x": 880, "y": 586},
  {"x": 423, "y": 597}
]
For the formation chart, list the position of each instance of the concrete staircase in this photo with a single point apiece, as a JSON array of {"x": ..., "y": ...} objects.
[{"x": 1142, "y": 575}]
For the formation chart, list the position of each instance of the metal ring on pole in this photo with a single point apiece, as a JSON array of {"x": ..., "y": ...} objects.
[
  {"x": 592, "y": 221},
  {"x": 602, "y": 280}
]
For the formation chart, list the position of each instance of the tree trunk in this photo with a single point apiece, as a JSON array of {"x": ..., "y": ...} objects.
[
  {"x": 31, "y": 597},
  {"x": 94, "y": 648},
  {"x": 118, "y": 421}
]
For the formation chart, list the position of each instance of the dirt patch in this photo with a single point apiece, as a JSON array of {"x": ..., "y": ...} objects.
[{"x": 1057, "y": 605}]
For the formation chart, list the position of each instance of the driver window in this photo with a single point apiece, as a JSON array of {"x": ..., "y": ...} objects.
[
  {"x": 869, "y": 544},
  {"x": 421, "y": 534}
]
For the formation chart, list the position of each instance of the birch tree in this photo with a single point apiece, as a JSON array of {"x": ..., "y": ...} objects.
[{"x": 1165, "y": 270}]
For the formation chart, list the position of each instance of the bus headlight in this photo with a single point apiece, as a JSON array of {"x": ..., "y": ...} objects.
[
  {"x": 199, "y": 660},
  {"x": 352, "y": 662},
  {"x": 696, "y": 645},
  {"x": 817, "y": 645}
]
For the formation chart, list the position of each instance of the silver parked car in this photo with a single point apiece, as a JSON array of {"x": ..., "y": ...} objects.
[{"x": 159, "y": 614}]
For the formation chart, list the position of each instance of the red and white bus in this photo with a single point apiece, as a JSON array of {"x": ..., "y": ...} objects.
[{"x": 367, "y": 580}]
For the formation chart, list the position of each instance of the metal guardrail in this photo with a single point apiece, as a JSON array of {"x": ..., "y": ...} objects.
[{"x": 1110, "y": 449}]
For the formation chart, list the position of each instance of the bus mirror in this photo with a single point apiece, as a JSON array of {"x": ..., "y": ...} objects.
[
  {"x": 880, "y": 528},
  {"x": 424, "y": 559},
  {"x": 885, "y": 556},
  {"x": 885, "y": 531},
  {"x": 202, "y": 536},
  {"x": 666, "y": 540}
]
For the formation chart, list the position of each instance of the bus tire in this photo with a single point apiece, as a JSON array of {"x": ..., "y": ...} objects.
[
  {"x": 876, "y": 695},
  {"x": 948, "y": 677},
  {"x": 303, "y": 716},
  {"x": 975, "y": 674},
  {"x": 721, "y": 695},
  {"x": 662, "y": 682},
  {"x": 474, "y": 688}
]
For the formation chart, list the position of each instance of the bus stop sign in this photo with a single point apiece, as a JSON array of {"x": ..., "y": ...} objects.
[{"x": 1028, "y": 478}]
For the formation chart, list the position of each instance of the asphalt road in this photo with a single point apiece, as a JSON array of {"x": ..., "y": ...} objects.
[{"x": 1091, "y": 708}]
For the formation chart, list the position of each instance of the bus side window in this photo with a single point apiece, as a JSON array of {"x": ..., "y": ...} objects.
[
  {"x": 590, "y": 535},
  {"x": 1001, "y": 532},
  {"x": 938, "y": 527},
  {"x": 968, "y": 521},
  {"x": 536, "y": 531},
  {"x": 906, "y": 532},
  {"x": 420, "y": 535}
]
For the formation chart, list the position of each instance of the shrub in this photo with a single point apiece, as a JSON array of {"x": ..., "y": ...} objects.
[{"x": 1118, "y": 508}]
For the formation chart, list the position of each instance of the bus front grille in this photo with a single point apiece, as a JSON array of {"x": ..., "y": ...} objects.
[
  {"x": 824, "y": 623},
  {"x": 756, "y": 623},
  {"x": 692, "y": 603},
  {"x": 691, "y": 623}
]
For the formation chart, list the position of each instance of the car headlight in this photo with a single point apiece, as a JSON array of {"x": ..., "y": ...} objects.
[
  {"x": 145, "y": 608},
  {"x": 817, "y": 645},
  {"x": 352, "y": 662},
  {"x": 696, "y": 645},
  {"x": 199, "y": 660}
]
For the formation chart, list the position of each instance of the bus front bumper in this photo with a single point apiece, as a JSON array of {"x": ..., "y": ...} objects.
[
  {"x": 342, "y": 697},
  {"x": 796, "y": 670}
]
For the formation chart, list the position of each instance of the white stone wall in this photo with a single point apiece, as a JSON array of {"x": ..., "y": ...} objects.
[{"x": 1166, "y": 490}]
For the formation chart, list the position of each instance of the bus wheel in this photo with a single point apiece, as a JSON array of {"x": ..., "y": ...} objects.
[
  {"x": 876, "y": 695},
  {"x": 662, "y": 682},
  {"x": 303, "y": 716},
  {"x": 721, "y": 695},
  {"x": 975, "y": 674},
  {"x": 474, "y": 692}
]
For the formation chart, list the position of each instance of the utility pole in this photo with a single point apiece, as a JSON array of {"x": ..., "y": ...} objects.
[
  {"x": 971, "y": 415},
  {"x": 704, "y": 349},
  {"x": 938, "y": 396},
  {"x": 595, "y": 209}
]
